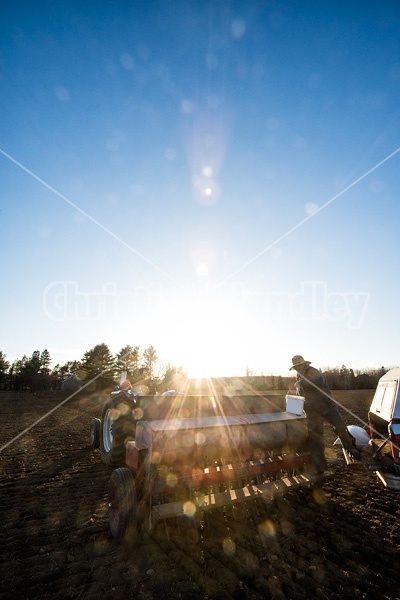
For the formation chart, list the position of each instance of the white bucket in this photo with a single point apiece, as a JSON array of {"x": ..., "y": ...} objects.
[{"x": 294, "y": 404}]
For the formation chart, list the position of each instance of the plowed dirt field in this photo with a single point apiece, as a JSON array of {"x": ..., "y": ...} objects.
[{"x": 338, "y": 542}]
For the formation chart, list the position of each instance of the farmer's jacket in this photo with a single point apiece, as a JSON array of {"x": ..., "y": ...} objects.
[
  {"x": 319, "y": 404},
  {"x": 315, "y": 398}
]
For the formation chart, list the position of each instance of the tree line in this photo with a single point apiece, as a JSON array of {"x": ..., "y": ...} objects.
[
  {"x": 338, "y": 378},
  {"x": 141, "y": 366},
  {"x": 97, "y": 365},
  {"x": 343, "y": 378}
]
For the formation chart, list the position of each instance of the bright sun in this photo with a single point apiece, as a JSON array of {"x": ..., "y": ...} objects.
[{"x": 202, "y": 336}]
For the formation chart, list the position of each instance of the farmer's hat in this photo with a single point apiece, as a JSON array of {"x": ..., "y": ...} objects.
[{"x": 299, "y": 360}]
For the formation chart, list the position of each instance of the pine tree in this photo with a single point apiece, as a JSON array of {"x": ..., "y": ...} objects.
[
  {"x": 72, "y": 367},
  {"x": 4, "y": 367},
  {"x": 99, "y": 363},
  {"x": 45, "y": 362},
  {"x": 128, "y": 359},
  {"x": 149, "y": 358},
  {"x": 33, "y": 365}
]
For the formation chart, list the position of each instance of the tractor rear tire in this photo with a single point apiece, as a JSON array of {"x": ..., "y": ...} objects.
[
  {"x": 122, "y": 505},
  {"x": 95, "y": 427},
  {"x": 118, "y": 425}
]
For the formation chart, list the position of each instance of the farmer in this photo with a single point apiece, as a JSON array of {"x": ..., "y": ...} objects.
[
  {"x": 319, "y": 407},
  {"x": 126, "y": 385}
]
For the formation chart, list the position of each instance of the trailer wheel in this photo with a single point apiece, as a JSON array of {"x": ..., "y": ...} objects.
[
  {"x": 95, "y": 433},
  {"x": 122, "y": 505},
  {"x": 117, "y": 427}
]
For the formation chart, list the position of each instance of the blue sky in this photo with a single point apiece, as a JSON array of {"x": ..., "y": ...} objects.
[{"x": 217, "y": 179}]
